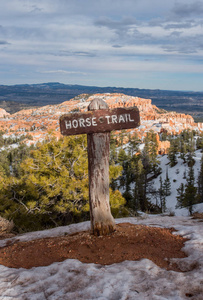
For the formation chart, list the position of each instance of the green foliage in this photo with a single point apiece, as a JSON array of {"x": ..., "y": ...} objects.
[
  {"x": 133, "y": 144},
  {"x": 162, "y": 196},
  {"x": 4, "y": 163},
  {"x": 180, "y": 196},
  {"x": 173, "y": 151},
  {"x": 150, "y": 153},
  {"x": 50, "y": 185},
  {"x": 137, "y": 167},
  {"x": 113, "y": 151},
  {"x": 187, "y": 194},
  {"x": 115, "y": 171},
  {"x": 53, "y": 182},
  {"x": 117, "y": 203},
  {"x": 200, "y": 183},
  {"x": 47, "y": 185},
  {"x": 167, "y": 185},
  {"x": 199, "y": 142},
  {"x": 183, "y": 144}
]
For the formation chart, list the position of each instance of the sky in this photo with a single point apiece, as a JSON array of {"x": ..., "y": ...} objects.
[{"x": 152, "y": 44}]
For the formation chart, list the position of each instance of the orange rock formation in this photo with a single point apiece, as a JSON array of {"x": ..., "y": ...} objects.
[{"x": 38, "y": 122}]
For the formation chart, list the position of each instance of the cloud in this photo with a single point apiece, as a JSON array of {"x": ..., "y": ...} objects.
[
  {"x": 4, "y": 43},
  {"x": 185, "y": 44},
  {"x": 113, "y": 24},
  {"x": 180, "y": 25},
  {"x": 175, "y": 34},
  {"x": 80, "y": 37},
  {"x": 125, "y": 31},
  {"x": 187, "y": 10},
  {"x": 35, "y": 9},
  {"x": 117, "y": 46},
  {"x": 75, "y": 53},
  {"x": 62, "y": 72}
]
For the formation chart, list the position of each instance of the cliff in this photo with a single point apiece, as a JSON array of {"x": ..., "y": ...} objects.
[
  {"x": 3, "y": 113},
  {"x": 38, "y": 122}
]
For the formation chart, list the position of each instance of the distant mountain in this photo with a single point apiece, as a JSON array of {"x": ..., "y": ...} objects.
[{"x": 29, "y": 95}]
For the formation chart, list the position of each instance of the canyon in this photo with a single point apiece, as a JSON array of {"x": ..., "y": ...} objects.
[{"x": 38, "y": 123}]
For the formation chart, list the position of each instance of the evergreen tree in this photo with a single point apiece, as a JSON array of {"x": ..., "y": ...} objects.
[
  {"x": 126, "y": 178},
  {"x": 1, "y": 139},
  {"x": 122, "y": 160},
  {"x": 140, "y": 196},
  {"x": 167, "y": 185},
  {"x": 122, "y": 156},
  {"x": 180, "y": 196},
  {"x": 190, "y": 191},
  {"x": 52, "y": 188},
  {"x": 162, "y": 196},
  {"x": 172, "y": 153},
  {"x": 141, "y": 180},
  {"x": 190, "y": 153},
  {"x": 4, "y": 163},
  {"x": 133, "y": 144},
  {"x": 199, "y": 142},
  {"x": 115, "y": 172},
  {"x": 151, "y": 148},
  {"x": 183, "y": 151},
  {"x": 113, "y": 153},
  {"x": 187, "y": 194},
  {"x": 121, "y": 137},
  {"x": 200, "y": 183}
]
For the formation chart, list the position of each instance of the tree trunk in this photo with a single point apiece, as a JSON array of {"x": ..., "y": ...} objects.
[{"x": 102, "y": 222}]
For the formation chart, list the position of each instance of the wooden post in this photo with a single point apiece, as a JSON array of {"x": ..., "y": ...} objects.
[
  {"x": 97, "y": 123},
  {"x": 102, "y": 222}
]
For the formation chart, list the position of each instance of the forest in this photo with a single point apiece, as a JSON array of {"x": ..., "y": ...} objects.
[{"x": 46, "y": 185}]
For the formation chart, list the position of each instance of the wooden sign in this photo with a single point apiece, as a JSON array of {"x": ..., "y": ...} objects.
[
  {"x": 104, "y": 120},
  {"x": 97, "y": 124}
]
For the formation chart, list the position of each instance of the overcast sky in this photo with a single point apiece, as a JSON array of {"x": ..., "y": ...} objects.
[{"x": 153, "y": 44}]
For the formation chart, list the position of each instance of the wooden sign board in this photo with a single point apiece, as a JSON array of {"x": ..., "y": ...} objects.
[
  {"x": 97, "y": 124},
  {"x": 104, "y": 120}
]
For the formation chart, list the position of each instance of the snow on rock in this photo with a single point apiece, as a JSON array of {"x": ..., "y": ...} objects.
[
  {"x": 141, "y": 280},
  {"x": 3, "y": 113}
]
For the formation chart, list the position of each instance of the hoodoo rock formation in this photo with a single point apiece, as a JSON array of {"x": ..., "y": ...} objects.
[
  {"x": 3, "y": 113},
  {"x": 40, "y": 121}
]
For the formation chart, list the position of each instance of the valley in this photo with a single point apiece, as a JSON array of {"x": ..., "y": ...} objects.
[
  {"x": 18, "y": 97},
  {"x": 39, "y": 122}
]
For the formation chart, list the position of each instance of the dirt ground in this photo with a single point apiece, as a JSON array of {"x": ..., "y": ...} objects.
[{"x": 128, "y": 242}]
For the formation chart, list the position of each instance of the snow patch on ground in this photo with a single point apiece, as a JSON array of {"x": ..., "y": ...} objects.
[
  {"x": 176, "y": 176},
  {"x": 72, "y": 279}
]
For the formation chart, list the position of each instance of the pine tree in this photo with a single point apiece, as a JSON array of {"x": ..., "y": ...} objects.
[
  {"x": 200, "y": 183},
  {"x": 172, "y": 153},
  {"x": 190, "y": 191},
  {"x": 113, "y": 153},
  {"x": 151, "y": 147},
  {"x": 190, "y": 154},
  {"x": 180, "y": 196},
  {"x": 139, "y": 195},
  {"x": 122, "y": 156},
  {"x": 134, "y": 142},
  {"x": 162, "y": 196},
  {"x": 52, "y": 188},
  {"x": 183, "y": 151},
  {"x": 199, "y": 142},
  {"x": 167, "y": 185}
]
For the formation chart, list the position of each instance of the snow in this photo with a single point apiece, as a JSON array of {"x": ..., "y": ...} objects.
[
  {"x": 12, "y": 146},
  {"x": 142, "y": 279},
  {"x": 176, "y": 176}
]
